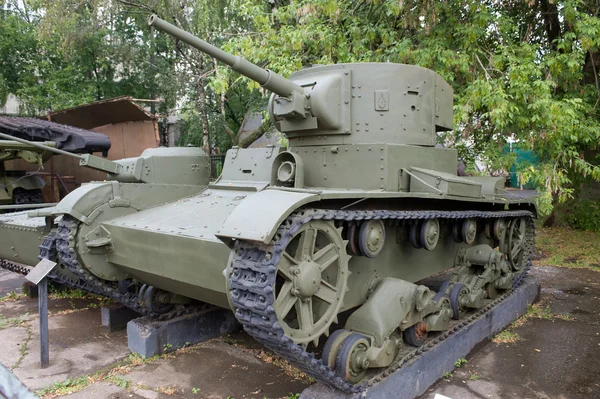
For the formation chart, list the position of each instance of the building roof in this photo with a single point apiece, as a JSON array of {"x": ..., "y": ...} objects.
[{"x": 100, "y": 113}]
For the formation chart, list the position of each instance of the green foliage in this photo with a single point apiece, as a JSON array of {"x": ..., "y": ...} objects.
[
  {"x": 460, "y": 362},
  {"x": 586, "y": 215}
]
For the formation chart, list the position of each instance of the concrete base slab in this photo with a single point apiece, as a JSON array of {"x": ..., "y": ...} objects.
[
  {"x": 116, "y": 317},
  {"x": 417, "y": 376},
  {"x": 78, "y": 346},
  {"x": 149, "y": 337},
  {"x": 10, "y": 282}
]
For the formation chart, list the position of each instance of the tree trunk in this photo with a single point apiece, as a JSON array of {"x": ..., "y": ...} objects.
[
  {"x": 203, "y": 115},
  {"x": 549, "y": 12}
]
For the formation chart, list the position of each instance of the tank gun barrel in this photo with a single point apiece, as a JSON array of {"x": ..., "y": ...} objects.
[
  {"x": 88, "y": 160},
  {"x": 266, "y": 78}
]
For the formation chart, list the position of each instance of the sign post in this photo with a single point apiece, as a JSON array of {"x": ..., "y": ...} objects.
[{"x": 38, "y": 275}]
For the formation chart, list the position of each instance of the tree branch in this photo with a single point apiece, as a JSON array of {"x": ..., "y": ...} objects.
[{"x": 256, "y": 134}]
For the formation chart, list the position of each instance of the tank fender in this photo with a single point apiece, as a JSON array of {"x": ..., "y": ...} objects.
[
  {"x": 28, "y": 183},
  {"x": 82, "y": 202},
  {"x": 391, "y": 301},
  {"x": 258, "y": 216}
]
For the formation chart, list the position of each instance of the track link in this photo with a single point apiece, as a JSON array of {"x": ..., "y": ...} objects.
[{"x": 254, "y": 269}]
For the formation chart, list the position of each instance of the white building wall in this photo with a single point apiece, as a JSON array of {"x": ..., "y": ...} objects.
[{"x": 11, "y": 106}]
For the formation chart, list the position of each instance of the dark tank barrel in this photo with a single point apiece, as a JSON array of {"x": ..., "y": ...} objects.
[{"x": 267, "y": 79}]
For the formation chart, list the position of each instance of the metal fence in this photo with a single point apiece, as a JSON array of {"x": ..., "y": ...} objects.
[{"x": 216, "y": 165}]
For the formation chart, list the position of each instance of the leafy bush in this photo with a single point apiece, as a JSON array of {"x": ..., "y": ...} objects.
[{"x": 586, "y": 215}]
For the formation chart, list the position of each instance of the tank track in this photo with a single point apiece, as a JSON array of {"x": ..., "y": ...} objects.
[
  {"x": 65, "y": 247},
  {"x": 58, "y": 246},
  {"x": 254, "y": 268}
]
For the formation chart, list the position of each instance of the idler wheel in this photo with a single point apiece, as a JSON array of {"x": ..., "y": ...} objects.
[
  {"x": 414, "y": 235},
  {"x": 157, "y": 300},
  {"x": 416, "y": 334},
  {"x": 457, "y": 293},
  {"x": 332, "y": 346},
  {"x": 469, "y": 231},
  {"x": 430, "y": 234},
  {"x": 352, "y": 361},
  {"x": 312, "y": 277},
  {"x": 516, "y": 242},
  {"x": 371, "y": 238}
]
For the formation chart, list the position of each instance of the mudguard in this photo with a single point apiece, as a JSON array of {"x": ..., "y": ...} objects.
[
  {"x": 82, "y": 202},
  {"x": 27, "y": 183},
  {"x": 257, "y": 217}
]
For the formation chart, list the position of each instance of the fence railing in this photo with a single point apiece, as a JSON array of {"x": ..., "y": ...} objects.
[{"x": 216, "y": 165}]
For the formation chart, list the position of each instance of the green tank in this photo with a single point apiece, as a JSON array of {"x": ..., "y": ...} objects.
[
  {"x": 318, "y": 248},
  {"x": 16, "y": 187}
]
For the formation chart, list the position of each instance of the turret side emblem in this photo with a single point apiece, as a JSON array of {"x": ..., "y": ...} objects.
[{"x": 382, "y": 100}]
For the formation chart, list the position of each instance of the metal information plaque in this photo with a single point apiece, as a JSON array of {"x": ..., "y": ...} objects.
[{"x": 40, "y": 271}]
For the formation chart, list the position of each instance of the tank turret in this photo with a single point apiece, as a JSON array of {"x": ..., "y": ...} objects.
[
  {"x": 147, "y": 168},
  {"x": 346, "y": 103}
]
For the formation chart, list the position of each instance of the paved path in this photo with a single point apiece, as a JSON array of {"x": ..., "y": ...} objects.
[{"x": 557, "y": 357}]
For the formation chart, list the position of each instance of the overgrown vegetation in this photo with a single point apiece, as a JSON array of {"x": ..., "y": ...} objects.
[
  {"x": 12, "y": 321},
  {"x": 564, "y": 247},
  {"x": 114, "y": 375},
  {"x": 586, "y": 215},
  {"x": 506, "y": 337},
  {"x": 12, "y": 296}
]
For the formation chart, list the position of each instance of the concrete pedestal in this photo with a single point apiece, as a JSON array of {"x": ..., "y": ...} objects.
[
  {"x": 116, "y": 317},
  {"x": 414, "y": 378},
  {"x": 149, "y": 337}
]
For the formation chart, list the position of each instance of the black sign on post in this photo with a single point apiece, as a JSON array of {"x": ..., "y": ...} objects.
[{"x": 38, "y": 275}]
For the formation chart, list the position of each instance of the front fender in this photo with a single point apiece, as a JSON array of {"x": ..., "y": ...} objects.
[
  {"x": 257, "y": 217},
  {"x": 80, "y": 203},
  {"x": 28, "y": 183}
]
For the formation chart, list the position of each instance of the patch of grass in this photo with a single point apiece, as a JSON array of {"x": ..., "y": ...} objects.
[
  {"x": 118, "y": 381},
  {"x": 447, "y": 375},
  {"x": 460, "y": 362},
  {"x": 69, "y": 386},
  {"x": 13, "y": 321},
  {"x": 539, "y": 311},
  {"x": 23, "y": 348},
  {"x": 565, "y": 247},
  {"x": 506, "y": 337},
  {"x": 474, "y": 376},
  {"x": 66, "y": 292},
  {"x": 113, "y": 374},
  {"x": 12, "y": 296}
]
